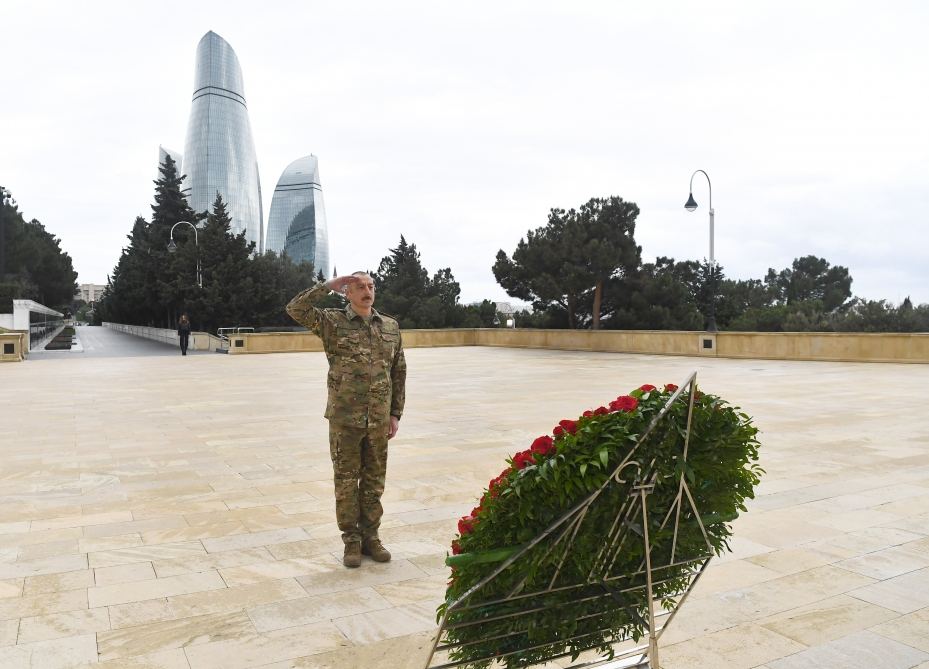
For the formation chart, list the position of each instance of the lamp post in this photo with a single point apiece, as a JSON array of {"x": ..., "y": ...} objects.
[
  {"x": 172, "y": 247},
  {"x": 691, "y": 205}
]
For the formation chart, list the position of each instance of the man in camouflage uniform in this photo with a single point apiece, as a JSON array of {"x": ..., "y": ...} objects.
[{"x": 367, "y": 379}]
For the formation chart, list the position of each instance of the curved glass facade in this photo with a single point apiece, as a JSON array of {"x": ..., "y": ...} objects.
[
  {"x": 163, "y": 153},
  {"x": 219, "y": 154},
  {"x": 297, "y": 220}
]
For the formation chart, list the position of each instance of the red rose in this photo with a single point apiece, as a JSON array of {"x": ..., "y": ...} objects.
[
  {"x": 624, "y": 403},
  {"x": 647, "y": 388},
  {"x": 523, "y": 459},
  {"x": 466, "y": 525},
  {"x": 477, "y": 510},
  {"x": 568, "y": 425},
  {"x": 543, "y": 445},
  {"x": 670, "y": 387},
  {"x": 558, "y": 431},
  {"x": 600, "y": 411},
  {"x": 456, "y": 547},
  {"x": 588, "y": 414}
]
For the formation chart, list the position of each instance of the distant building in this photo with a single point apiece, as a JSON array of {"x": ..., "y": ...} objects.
[
  {"x": 90, "y": 292},
  {"x": 297, "y": 220},
  {"x": 219, "y": 154}
]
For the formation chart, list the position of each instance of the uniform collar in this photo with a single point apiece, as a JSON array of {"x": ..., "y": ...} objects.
[{"x": 351, "y": 313}]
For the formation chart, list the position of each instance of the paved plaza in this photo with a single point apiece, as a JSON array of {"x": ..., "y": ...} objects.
[{"x": 170, "y": 512}]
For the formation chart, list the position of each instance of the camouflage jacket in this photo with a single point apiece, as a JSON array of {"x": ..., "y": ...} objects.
[{"x": 367, "y": 368}]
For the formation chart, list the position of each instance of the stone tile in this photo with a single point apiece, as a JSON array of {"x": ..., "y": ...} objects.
[
  {"x": 885, "y": 563},
  {"x": 415, "y": 591},
  {"x": 139, "y": 613},
  {"x": 15, "y": 527},
  {"x": 60, "y": 625},
  {"x": 124, "y": 573},
  {"x": 726, "y": 576},
  {"x": 134, "y": 527},
  {"x": 52, "y": 654},
  {"x": 366, "y": 628},
  {"x": 168, "y": 659},
  {"x": 370, "y": 574},
  {"x": 741, "y": 647},
  {"x": 307, "y": 610},
  {"x": 212, "y": 561},
  {"x": 175, "y": 507},
  {"x": 186, "y": 533},
  {"x": 827, "y": 620},
  {"x": 99, "y": 544},
  {"x": 278, "y": 569},
  {"x": 69, "y": 580},
  {"x": 40, "y": 537},
  {"x": 911, "y": 629},
  {"x": 51, "y": 565},
  {"x": 235, "y": 599},
  {"x": 254, "y": 540},
  {"x": 743, "y": 548},
  {"x": 11, "y": 588},
  {"x": 46, "y": 603},
  {"x": 81, "y": 520},
  {"x": 793, "y": 560},
  {"x": 119, "y": 556},
  {"x": 431, "y": 564},
  {"x": 904, "y": 594},
  {"x": 407, "y": 652},
  {"x": 861, "y": 650},
  {"x": 52, "y": 549},
  {"x": 9, "y": 630},
  {"x": 169, "y": 634},
  {"x": 252, "y": 651},
  {"x": 123, "y": 593}
]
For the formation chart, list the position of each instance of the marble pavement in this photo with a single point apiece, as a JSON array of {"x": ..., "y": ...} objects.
[{"x": 169, "y": 512}]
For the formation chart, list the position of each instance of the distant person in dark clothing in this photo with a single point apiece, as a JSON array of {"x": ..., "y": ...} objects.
[{"x": 183, "y": 333}]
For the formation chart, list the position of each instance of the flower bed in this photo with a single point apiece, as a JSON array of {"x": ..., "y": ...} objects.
[{"x": 557, "y": 472}]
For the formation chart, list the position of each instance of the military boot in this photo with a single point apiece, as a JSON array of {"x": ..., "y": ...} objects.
[
  {"x": 375, "y": 549},
  {"x": 352, "y": 556}
]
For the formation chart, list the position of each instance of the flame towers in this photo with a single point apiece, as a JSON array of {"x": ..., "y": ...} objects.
[
  {"x": 219, "y": 154},
  {"x": 297, "y": 220}
]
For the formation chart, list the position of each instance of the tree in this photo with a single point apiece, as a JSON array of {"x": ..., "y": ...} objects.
[
  {"x": 35, "y": 266},
  {"x": 405, "y": 291},
  {"x": 811, "y": 278},
  {"x": 573, "y": 257},
  {"x": 150, "y": 286},
  {"x": 656, "y": 297}
]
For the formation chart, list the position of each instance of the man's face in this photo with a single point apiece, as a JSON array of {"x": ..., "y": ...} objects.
[{"x": 361, "y": 292}]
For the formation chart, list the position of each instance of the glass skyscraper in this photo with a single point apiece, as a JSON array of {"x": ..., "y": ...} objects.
[
  {"x": 219, "y": 154},
  {"x": 297, "y": 221},
  {"x": 163, "y": 153}
]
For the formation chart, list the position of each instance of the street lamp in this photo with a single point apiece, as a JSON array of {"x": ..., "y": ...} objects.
[
  {"x": 172, "y": 247},
  {"x": 691, "y": 205}
]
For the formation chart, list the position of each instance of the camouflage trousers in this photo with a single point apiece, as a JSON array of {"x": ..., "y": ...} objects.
[{"x": 359, "y": 462}]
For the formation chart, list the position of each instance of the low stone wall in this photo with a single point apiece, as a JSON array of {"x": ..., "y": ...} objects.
[
  {"x": 837, "y": 347},
  {"x": 833, "y": 346}
]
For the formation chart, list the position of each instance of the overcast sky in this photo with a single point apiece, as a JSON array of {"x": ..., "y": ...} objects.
[{"x": 459, "y": 125}]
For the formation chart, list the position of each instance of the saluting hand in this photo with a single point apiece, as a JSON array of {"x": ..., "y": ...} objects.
[{"x": 339, "y": 284}]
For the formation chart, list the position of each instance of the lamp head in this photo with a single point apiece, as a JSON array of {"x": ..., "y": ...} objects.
[
  {"x": 172, "y": 247},
  {"x": 691, "y": 203}
]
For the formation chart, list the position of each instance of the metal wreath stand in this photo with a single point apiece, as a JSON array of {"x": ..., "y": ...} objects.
[{"x": 660, "y": 609}]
